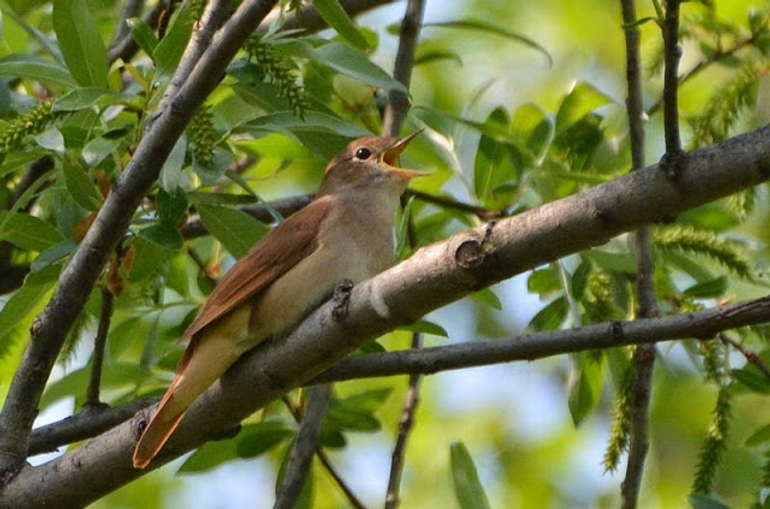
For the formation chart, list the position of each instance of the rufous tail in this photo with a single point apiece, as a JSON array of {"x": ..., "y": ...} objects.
[{"x": 201, "y": 365}]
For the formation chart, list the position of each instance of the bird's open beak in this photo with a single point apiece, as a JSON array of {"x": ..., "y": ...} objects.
[{"x": 390, "y": 156}]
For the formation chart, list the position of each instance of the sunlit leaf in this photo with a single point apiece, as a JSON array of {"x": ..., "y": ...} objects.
[
  {"x": 337, "y": 18},
  {"x": 585, "y": 386},
  {"x": 81, "y": 187},
  {"x": 582, "y": 100},
  {"x": 468, "y": 489}
]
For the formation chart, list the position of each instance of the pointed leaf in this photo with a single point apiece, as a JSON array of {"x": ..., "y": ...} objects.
[
  {"x": 334, "y": 14},
  {"x": 236, "y": 230},
  {"x": 80, "y": 42},
  {"x": 468, "y": 489},
  {"x": 582, "y": 100}
]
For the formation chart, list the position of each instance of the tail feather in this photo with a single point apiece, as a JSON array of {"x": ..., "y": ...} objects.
[{"x": 202, "y": 364}]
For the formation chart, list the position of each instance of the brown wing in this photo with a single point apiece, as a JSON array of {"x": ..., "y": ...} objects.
[{"x": 271, "y": 257}]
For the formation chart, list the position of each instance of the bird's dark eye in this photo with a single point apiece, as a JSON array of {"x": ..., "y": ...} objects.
[{"x": 363, "y": 153}]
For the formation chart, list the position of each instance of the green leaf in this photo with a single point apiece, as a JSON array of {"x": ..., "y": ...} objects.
[
  {"x": 171, "y": 207},
  {"x": 426, "y": 327},
  {"x": 28, "y": 232},
  {"x": 708, "y": 289},
  {"x": 702, "y": 501},
  {"x": 622, "y": 263},
  {"x": 86, "y": 97},
  {"x": 585, "y": 386},
  {"x": 333, "y": 13},
  {"x": 582, "y": 100},
  {"x": 148, "y": 258},
  {"x": 550, "y": 317},
  {"x": 198, "y": 198},
  {"x": 24, "y": 302},
  {"x": 171, "y": 172},
  {"x": 352, "y": 62},
  {"x": 209, "y": 455},
  {"x": 51, "y": 139},
  {"x": 533, "y": 126},
  {"x": 468, "y": 489},
  {"x": 169, "y": 51},
  {"x": 34, "y": 68},
  {"x": 544, "y": 281},
  {"x": 81, "y": 187},
  {"x": 98, "y": 149},
  {"x": 752, "y": 379},
  {"x": 143, "y": 34},
  {"x": 80, "y": 42},
  {"x": 489, "y": 28},
  {"x": 53, "y": 255},
  {"x": 487, "y": 297},
  {"x": 257, "y": 439},
  {"x": 759, "y": 437},
  {"x": 286, "y": 122},
  {"x": 236, "y": 230}
]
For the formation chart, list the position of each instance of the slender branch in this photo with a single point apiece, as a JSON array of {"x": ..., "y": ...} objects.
[
  {"x": 644, "y": 355},
  {"x": 309, "y": 20},
  {"x": 398, "y": 101},
  {"x": 434, "y": 276},
  {"x": 539, "y": 345},
  {"x": 482, "y": 213},
  {"x": 90, "y": 422},
  {"x": 126, "y": 47},
  {"x": 131, "y": 9},
  {"x": 305, "y": 446},
  {"x": 751, "y": 356},
  {"x": 405, "y": 424},
  {"x": 717, "y": 56},
  {"x": 80, "y": 275},
  {"x": 352, "y": 498},
  {"x": 672, "y": 55},
  {"x": 92, "y": 393}
]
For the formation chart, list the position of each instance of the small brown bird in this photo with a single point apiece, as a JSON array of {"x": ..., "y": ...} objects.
[{"x": 345, "y": 233}]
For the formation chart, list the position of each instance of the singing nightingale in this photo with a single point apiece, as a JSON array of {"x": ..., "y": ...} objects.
[{"x": 345, "y": 233}]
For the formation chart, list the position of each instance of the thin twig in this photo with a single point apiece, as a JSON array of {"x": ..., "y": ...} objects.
[
  {"x": 305, "y": 446},
  {"x": 131, "y": 9},
  {"x": 398, "y": 101},
  {"x": 672, "y": 55},
  {"x": 482, "y": 213},
  {"x": 644, "y": 355},
  {"x": 346, "y": 490},
  {"x": 126, "y": 47},
  {"x": 717, "y": 56},
  {"x": 92, "y": 393},
  {"x": 405, "y": 424},
  {"x": 751, "y": 356}
]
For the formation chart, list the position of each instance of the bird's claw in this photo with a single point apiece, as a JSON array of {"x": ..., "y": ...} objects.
[{"x": 341, "y": 299}]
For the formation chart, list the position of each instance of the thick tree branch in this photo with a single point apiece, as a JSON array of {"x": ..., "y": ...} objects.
[
  {"x": 80, "y": 275},
  {"x": 432, "y": 277}
]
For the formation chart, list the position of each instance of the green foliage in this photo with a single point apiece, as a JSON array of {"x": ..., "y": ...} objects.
[
  {"x": 20, "y": 128},
  {"x": 716, "y": 443},
  {"x": 705, "y": 243},
  {"x": 279, "y": 70},
  {"x": 503, "y": 135},
  {"x": 621, "y": 420},
  {"x": 468, "y": 489}
]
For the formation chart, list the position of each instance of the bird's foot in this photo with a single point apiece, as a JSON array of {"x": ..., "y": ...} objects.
[{"x": 341, "y": 299}]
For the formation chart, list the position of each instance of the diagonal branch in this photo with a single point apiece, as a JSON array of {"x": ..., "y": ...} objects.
[
  {"x": 432, "y": 277},
  {"x": 80, "y": 275}
]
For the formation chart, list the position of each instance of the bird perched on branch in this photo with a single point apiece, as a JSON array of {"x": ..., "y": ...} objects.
[{"x": 346, "y": 233}]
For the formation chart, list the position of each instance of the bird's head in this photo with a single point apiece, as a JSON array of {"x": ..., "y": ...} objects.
[{"x": 369, "y": 163}]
